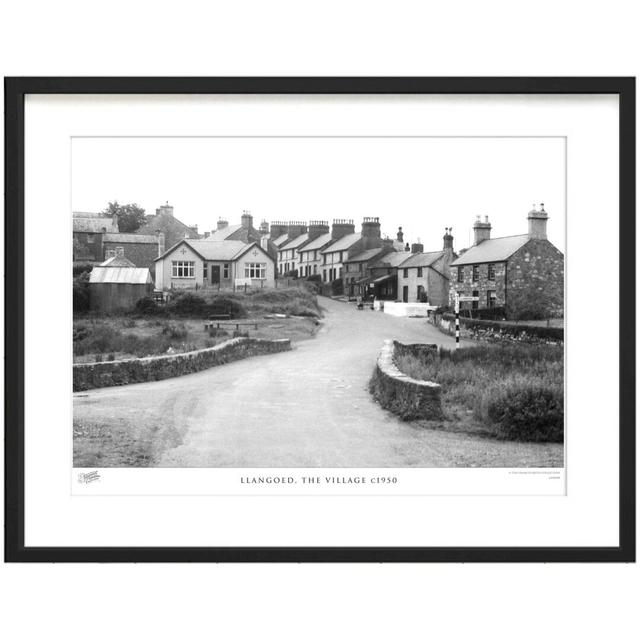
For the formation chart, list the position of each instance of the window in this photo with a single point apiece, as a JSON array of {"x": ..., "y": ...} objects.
[
  {"x": 419, "y": 272},
  {"x": 491, "y": 273},
  {"x": 491, "y": 299},
  {"x": 183, "y": 269},
  {"x": 324, "y": 275},
  {"x": 405, "y": 273},
  {"x": 476, "y": 273},
  {"x": 460, "y": 274},
  {"x": 90, "y": 238},
  {"x": 204, "y": 271},
  {"x": 280, "y": 268},
  {"x": 474, "y": 303},
  {"x": 257, "y": 270},
  {"x": 315, "y": 269},
  {"x": 225, "y": 271}
]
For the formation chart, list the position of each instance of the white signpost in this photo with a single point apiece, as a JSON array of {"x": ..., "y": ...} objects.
[{"x": 458, "y": 300}]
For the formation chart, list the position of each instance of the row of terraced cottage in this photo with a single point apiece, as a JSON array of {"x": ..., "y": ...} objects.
[{"x": 504, "y": 272}]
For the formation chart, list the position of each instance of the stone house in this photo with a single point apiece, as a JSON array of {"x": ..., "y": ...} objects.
[
  {"x": 424, "y": 277},
  {"x": 287, "y": 256},
  {"x": 347, "y": 244},
  {"x": 223, "y": 265},
  {"x": 357, "y": 281},
  {"x": 165, "y": 222},
  {"x": 523, "y": 274},
  {"x": 88, "y": 231},
  {"x": 310, "y": 255},
  {"x": 382, "y": 274}
]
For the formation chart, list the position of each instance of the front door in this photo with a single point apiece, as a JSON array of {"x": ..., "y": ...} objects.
[
  {"x": 405, "y": 294},
  {"x": 215, "y": 274}
]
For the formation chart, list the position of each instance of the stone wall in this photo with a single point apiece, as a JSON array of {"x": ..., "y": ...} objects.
[
  {"x": 407, "y": 397},
  {"x": 490, "y": 331},
  {"x": 118, "y": 372}
]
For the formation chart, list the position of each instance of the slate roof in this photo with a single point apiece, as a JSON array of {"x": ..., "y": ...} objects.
[
  {"x": 422, "y": 259},
  {"x": 343, "y": 243},
  {"x": 280, "y": 240},
  {"x": 117, "y": 261},
  {"x": 364, "y": 256},
  {"x": 318, "y": 243},
  {"x": 220, "y": 251},
  {"x": 223, "y": 234},
  {"x": 493, "y": 250},
  {"x": 119, "y": 275},
  {"x": 93, "y": 223},
  {"x": 296, "y": 242},
  {"x": 125, "y": 238},
  {"x": 392, "y": 259}
]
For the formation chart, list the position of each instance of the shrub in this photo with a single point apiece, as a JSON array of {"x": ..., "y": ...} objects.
[
  {"x": 148, "y": 307},
  {"x": 529, "y": 413},
  {"x": 81, "y": 292},
  {"x": 188, "y": 304},
  {"x": 490, "y": 313},
  {"x": 176, "y": 331}
]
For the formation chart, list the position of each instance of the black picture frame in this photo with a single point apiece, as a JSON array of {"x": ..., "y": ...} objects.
[{"x": 15, "y": 91}]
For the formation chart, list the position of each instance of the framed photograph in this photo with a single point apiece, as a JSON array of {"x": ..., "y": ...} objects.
[{"x": 320, "y": 319}]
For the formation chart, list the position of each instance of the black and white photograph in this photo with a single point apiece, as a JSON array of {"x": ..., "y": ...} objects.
[{"x": 318, "y": 302}]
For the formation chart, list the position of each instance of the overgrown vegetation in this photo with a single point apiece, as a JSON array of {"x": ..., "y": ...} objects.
[
  {"x": 512, "y": 329},
  {"x": 293, "y": 301},
  {"x": 516, "y": 391}
]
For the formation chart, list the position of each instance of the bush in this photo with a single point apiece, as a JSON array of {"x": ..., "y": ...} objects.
[
  {"x": 176, "y": 331},
  {"x": 188, "y": 304},
  {"x": 81, "y": 292},
  {"x": 148, "y": 307},
  {"x": 529, "y": 413}
]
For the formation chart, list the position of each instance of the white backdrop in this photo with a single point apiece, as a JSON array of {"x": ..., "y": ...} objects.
[{"x": 363, "y": 38}]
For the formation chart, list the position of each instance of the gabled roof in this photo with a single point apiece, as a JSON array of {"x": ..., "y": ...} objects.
[
  {"x": 365, "y": 256},
  {"x": 343, "y": 243},
  {"x": 117, "y": 261},
  {"x": 223, "y": 250},
  {"x": 391, "y": 259},
  {"x": 318, "y": 243},
  {"x": 224, "y": 233},
  {"x": 119, "y": 275},
  {"x": 295, "y": 243},
  {"x": 493, "y": 250},
  {"x": 125, "y": 238},
  {"x": 93, "y": 223},
  {"x": 422, "y": 259}
]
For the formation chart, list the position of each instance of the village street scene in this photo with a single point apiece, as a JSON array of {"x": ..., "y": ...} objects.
[{"x": 337, "y": 342}]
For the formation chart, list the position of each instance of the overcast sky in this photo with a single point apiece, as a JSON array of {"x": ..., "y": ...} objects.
[{"x": 421, "y": 184}]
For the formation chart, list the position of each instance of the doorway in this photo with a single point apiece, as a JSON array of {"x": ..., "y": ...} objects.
[
  {"x": 405, "y": 294},
  {"x": 215, "y": 274}
]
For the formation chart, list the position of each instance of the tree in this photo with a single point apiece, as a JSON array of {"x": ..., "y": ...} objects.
[{"x": 130, "y": 216}]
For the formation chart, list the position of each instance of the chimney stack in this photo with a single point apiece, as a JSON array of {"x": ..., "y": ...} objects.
[
  {"x": 222, "y": 224},
  {"x": 278, "y": 229},
  {"x": 538, "y": 223},
  {"x": 371, "y": 233},
  {"x": 194, "y": 228},
  {"x": 400, "y": 235},
  {"x": 417, "y": 247},
  {"x": 407, "y": 247},
  {"x": 317, "y": 228},
  {"x": 264, "y": 228},
  {"x": 165, "y": 209},
  {"x": 160, "y": 235},
  {"x": 296, "y": 228},
  {"x": 341, "y": 228},
  {"x": 447, "y": 240},
  {"x": 481, "y": 230},
  {"x": 246, "y": 219}
]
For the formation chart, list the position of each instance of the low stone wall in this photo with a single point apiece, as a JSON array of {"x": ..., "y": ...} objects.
[
  {"x": 118, "y": 372},
  {"x": 490, "y": 331},
  {"x": 407, "y": 397}
]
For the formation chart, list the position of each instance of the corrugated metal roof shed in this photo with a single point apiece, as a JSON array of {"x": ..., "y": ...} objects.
[
  {"x": 493, "y": 250},
  {"x": 343, "y": 243},
  {"x": 119, "y": 275}
]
